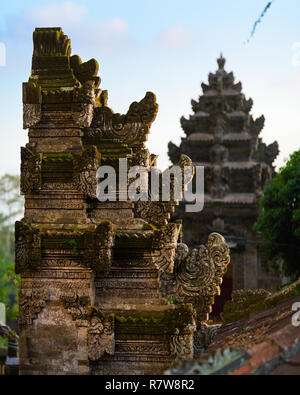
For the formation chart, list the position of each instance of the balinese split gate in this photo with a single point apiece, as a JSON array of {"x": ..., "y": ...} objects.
[{"x": 105, "y": 288}]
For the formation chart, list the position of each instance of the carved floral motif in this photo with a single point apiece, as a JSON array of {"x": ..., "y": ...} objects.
[
  {"x": 77, "y": 306},
  {"x": 31, "y": 303},
  {"x": 181, "y": 346},
  {"x": 31, "y": 115}
]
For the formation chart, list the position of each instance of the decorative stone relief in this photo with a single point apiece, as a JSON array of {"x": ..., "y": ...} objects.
[
  {"x": 85, "y": 170},
  {"x": 27, "y": 247},
  {"x": 32, "y": 109},
  {"x": 31, "y": 171},
  {"x": 98, "y": 247},
  {"x": 181, "y": 346},
  {"x": 84, "y": 101},
  {"x": 100, "y": 326},
  {"x": 86, "y": 71},
  {"x": 155, "y": 213},
  {"x": 101, "y": 335},
  {"x": 198, "y": 275},
  {"x": 31, "y": 303},
  {"x": 131, "y": 128},
  {"x": 164, "y": 244},
  {"x": 77, "y": 306}
]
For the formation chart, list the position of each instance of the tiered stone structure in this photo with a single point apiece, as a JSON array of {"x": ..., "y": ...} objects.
[
  {"x": 98, "y": 279},
  {"x": 223, "y": 137}
]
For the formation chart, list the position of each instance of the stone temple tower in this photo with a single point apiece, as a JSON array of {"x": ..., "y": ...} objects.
[{"x": 223, "y": 137}]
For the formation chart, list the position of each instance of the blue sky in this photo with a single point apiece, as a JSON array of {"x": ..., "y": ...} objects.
[{"x": 165, "y": 46}]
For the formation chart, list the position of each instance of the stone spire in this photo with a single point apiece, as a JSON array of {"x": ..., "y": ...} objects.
[{"x": 222, "y": 136}]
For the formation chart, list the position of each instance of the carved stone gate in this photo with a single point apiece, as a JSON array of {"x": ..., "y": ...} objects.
[{"x": 96, "y": 277}]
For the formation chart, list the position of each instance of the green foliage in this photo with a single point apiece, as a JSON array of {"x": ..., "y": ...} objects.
[
  {"x": 279, "y": 221},
  {"x": 173, "y": 301},
  {"x": 11, "y": 207},
  {"x": 73, "y": 244},
  {"x": 3, "y": 342}
]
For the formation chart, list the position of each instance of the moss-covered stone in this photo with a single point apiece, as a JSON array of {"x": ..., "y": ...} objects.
[
  {"x": 60, "y": 157},
  {"x": 164, "y": 320},
  {"x": 245, "y": 303}
]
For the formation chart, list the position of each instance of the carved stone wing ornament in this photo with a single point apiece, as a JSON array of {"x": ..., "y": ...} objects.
[{"x": 198, "y": 275}]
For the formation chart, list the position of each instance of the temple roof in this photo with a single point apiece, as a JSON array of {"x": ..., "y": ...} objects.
[{"x": 263, "y": 338}]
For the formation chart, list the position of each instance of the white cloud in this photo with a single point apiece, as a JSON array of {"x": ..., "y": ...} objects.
[
  {"x": 176, "y": 37},
  {"x": 107, "y": 35},
  {"x": 57, "y": 14},
  {"x": 86, "y": 31}
]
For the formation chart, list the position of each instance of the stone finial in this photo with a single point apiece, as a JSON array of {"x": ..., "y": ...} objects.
[
  {"x": 51, "y": 41},
  {"x": 221, "y": 62}
]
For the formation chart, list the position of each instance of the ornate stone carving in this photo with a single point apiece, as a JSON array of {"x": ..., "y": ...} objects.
[
  {"x": 141, "y": 157},
  {"x": 100, "y": 326},
  {"x": 257, "y": 125},
  {"x": 27, "y": 247},
  {"x": 98, "y": 247},
  {"x": 86, "y": 71},
  {"x": 272, "y": 151},
  {"x": 198, "y": 274},
  {"x": 155, "y": 213},
  {"x": 85, "y": 169},
  {"x": 69, "y": 245},
  {"x": 164, "y": 244},
  {"x": 31, "y": 303},
  {"x": 131, "y": 128},
  {"x": 159, "y": 213},
  {"x": 181, "y": 346},
  {"x": 31, "y": 171},
  {"x": 101, "y": 335},
  {"x": 144, "y": 111},
  {"x": 32, "y": 109},
  {"x": 83, "y": 104},
  {"x": 77, "y": 306},
  {"x": 31, "y": 115},
  {"x": 266, "y": 153}
]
